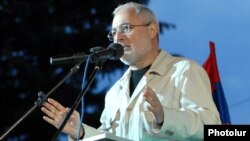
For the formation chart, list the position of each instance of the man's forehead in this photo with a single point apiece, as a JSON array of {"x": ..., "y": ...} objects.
[{"x": 125, "y": 16}]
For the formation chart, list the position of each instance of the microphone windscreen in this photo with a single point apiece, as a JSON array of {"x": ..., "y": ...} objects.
[{"x": 118, "y": 51}]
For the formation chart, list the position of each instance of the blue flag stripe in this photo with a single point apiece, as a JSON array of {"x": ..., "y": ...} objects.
[{"x": 221, "y": 103}]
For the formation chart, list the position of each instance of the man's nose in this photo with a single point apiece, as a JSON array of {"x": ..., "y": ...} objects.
[{"x": 118, "y": 36}]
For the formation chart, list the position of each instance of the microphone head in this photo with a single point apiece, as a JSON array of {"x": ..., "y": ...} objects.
[{"x": 118, "y": 51}]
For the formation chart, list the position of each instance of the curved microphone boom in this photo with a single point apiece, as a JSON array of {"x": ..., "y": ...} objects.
[{"x": 113, "y": 52}]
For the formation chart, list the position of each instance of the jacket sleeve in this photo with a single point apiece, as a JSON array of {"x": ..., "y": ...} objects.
[
  {"x": 108, "y": 114},
  {"x": 89, "y": 132},
  {"x": 195, "y": 105}
]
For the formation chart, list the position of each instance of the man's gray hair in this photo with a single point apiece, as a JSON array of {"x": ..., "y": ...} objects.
[
  {"x": 140, "y": 9},
  {"x": 148, "y": 14}
]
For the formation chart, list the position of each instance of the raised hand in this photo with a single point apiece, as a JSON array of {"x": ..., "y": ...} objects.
[
  {"x": 155, "y": 105},
  {"x": 55, "y": 113}
]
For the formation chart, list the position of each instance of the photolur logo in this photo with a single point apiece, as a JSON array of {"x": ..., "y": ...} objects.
[{"x": 213, "y": 132}]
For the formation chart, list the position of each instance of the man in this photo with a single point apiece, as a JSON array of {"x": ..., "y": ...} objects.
[{"x": 159, "y": 97}]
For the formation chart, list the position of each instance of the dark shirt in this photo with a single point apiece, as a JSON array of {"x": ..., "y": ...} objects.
[{"x": 136, "y": 77}]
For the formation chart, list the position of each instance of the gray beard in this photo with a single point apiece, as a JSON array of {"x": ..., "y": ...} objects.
[{"x": 131, "y": 60}]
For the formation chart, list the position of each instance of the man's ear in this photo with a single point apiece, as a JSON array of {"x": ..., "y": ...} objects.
[{"x": 153, "y": 30}]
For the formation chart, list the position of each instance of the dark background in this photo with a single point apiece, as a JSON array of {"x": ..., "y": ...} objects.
[{"x": 33, "y": 31}]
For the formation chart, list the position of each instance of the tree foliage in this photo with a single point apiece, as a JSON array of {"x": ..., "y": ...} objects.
[{"x": 32, "y": 32}]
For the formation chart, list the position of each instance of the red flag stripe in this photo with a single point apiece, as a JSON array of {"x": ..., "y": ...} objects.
[{"x": 211, "y": 66}]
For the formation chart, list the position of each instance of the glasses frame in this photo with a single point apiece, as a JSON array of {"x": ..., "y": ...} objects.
[{"x": 124, "y": 28}]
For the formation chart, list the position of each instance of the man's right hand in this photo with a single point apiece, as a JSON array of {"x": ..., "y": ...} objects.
[{"x": 55, "y": 113}]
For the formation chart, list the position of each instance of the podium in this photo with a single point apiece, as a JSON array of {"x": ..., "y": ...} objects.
[{"x": 105, "y": 137}]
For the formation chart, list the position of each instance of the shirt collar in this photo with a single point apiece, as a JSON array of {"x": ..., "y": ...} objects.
[{"x": 161, "y": 63}]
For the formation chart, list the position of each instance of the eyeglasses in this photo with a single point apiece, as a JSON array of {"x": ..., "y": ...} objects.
[{"x": 124, "y": 29}]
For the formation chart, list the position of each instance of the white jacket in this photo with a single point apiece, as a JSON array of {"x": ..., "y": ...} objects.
[{"x": 183, "y": 88}]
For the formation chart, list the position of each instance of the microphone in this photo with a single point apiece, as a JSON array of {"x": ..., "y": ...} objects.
[{"x": 113, "y": 52}]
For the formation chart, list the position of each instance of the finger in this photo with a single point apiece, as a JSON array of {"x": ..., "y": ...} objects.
[
  {"x": 53, "y": 118},
  {"x": 151, "y": 108},
  {"x": 50, "y": 121},
  {"x": 151, "y": 94},
  {"x": 50, "y": 107},
  {"x": 56, "y": 104},
  {"x": 49, "y": 113},
  {"x": 150, "y": 99}
]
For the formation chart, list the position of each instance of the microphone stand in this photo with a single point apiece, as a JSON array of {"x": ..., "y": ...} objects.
[
  {"x": 41, "y": 99},
  {"x": 79, "y": 98}
]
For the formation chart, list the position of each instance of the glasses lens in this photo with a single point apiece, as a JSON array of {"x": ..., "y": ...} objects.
[
  {"x": 124, "y": 28},
  {"x": 111, "y": 35}
]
